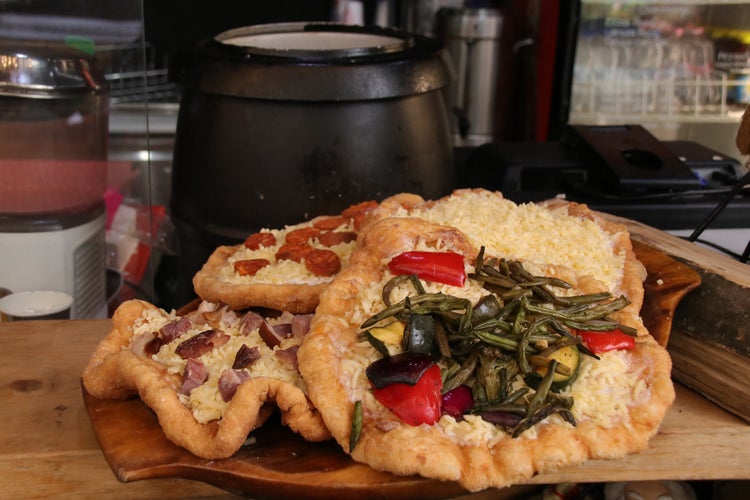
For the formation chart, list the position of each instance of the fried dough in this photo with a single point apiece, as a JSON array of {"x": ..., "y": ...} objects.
[
  {"x": 120, "y": 368},
  {"x": 611, "y": 422}
]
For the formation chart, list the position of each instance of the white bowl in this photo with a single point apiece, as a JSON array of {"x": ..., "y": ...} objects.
[{"x": 43, "y": 304}]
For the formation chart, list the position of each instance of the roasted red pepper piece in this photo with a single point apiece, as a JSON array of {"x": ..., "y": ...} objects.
[
  {"x": 599, "y": 342},
  {"x": 440, "y": 267},
  {"x": 414, "y": 404}
]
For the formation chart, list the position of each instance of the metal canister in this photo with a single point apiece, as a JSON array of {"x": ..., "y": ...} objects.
[{"x": 477, "y": 40}]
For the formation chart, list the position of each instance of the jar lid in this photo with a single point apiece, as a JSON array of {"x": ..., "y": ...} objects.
[{"x": 42, "y": 70}]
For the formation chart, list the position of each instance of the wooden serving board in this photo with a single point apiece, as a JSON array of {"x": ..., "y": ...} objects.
[
  {"x": 709, "y": 341},
  {"x": 278, "y": 463}
]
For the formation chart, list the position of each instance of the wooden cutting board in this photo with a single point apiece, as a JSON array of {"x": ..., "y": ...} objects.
[{"x": 276, "y": 462}]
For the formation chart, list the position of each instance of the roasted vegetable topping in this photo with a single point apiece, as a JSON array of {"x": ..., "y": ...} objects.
[
  {"x": 440, "y": 267},
  {"x": 599, "y": 342},
  {"x": 505, "y": 358},
  {"x": 414, "y": 404}
]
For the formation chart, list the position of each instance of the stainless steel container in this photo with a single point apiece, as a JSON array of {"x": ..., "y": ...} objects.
[{"x": 478, "y": 41}]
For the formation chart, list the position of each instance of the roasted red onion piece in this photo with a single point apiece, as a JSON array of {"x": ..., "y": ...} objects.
[
  {"x": 501, "y": 418},
  {"x": 404, "y": 368},
  {"x": 457, "y": 401}
]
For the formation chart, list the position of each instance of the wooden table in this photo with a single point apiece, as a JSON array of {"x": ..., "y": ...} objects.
[{"x": 48, "y": 446}]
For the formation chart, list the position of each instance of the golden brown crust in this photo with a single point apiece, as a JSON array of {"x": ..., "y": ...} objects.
[
  {"x": 211, "y": 282},
  {"x": 115, "y": 372},
  {"x": 388, "y": 444},
  {"x": 211, "y": 286}
]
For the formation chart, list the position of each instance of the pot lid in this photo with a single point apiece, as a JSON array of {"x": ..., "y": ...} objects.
[
  {"x": 315, "y": 42},
  {"x": 314, "y": 62},
  {"x": 43, "y": 70}
]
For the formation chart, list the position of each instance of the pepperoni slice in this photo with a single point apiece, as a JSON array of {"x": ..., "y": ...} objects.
[
  {"x": 359, "y": 209},
  {"x": 301, "y": 235},
  {"x": 258, "y": 240},
  {"x": 360, "y": 212},
  {"x": 322, "y": 262},
  {"x": 249, "y": 267},
  {"x": 331, "y": 238},
  {"x": 331, "y": 222},
  {"x": 293, "y": 251}
]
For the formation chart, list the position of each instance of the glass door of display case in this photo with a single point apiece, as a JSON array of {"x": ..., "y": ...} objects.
[{"x": 102, "y": 249}]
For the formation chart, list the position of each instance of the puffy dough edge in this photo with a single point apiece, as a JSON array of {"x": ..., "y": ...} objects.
[
  {"x": 114, "y": 372},
  {"x": 295, "y": 298},
  {"x": 405, "y": 450}
]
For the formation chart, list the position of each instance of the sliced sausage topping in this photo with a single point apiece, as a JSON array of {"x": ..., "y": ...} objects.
[
  {"x": 301, "y": 235},
  {"x": 293, "y": 251},
  {"x": 322, "y": 262},
  {"x": 331, "y": 238},
  {"x": 260, "y": 240},
  {"x": 330, "y": 223},
  {"x": 250, "y": 267}
]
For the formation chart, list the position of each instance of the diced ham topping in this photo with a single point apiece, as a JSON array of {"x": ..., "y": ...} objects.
[
  {"x": 143, "y": 344},
  {"x": 223, "y": 315},
  {"x": 194, "y": 376},
  {"x": 288, "y": 355},
  {"x": 250, "y": 321},
  {"x": 201, "y": 344},
  {"x": 153, "y": 346},
  {"x": 301, "y": 325},
  {"x": 174, "y": 329},
  {"x": 229, "y": 381},
  {"x": 272, "y": 335},
  {"x": 245, "y": 357}
]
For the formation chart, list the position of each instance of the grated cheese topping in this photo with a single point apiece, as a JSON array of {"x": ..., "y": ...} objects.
[
  {"x": 284, "y": 271},
  {"x": 530, "y": 233},
  {"x": 205, "y": 401}
]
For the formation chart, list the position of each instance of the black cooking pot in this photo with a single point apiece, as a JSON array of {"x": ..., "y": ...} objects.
[{"x": 279, "y": 123}]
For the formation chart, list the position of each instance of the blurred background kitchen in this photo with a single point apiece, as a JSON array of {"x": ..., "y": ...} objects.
[{"x": 99, "y": 181}]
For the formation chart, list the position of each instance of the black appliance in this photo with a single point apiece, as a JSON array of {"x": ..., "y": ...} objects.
[{"x": 621, "y": 170}]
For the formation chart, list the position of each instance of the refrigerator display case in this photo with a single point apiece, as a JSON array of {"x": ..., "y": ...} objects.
[{"x": 679, "y": 68}]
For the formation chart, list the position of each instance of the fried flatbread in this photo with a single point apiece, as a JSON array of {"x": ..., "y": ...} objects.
[
  {"x": 209, "y": 376},
  {"x": 619, "y": 400},
  {"x": 286, "y": 269}
]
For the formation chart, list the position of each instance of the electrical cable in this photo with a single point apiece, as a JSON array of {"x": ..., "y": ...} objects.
[{"x": 739, "y": 186}]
